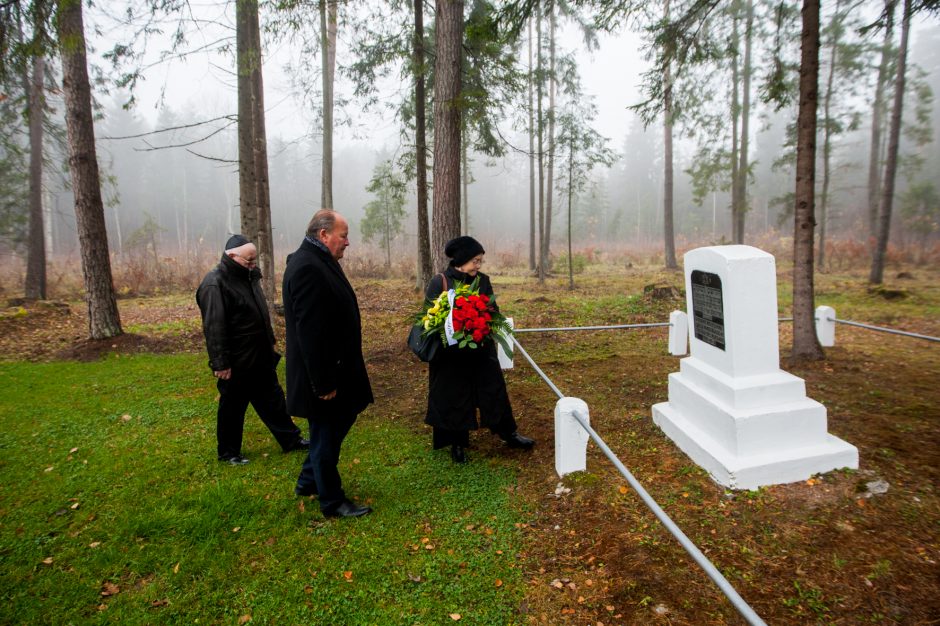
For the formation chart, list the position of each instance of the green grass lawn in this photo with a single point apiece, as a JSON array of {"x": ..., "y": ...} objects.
[{"x": 114, "y": 509}]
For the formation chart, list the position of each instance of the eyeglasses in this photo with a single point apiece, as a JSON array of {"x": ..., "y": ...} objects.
[
  {"x": 477, "y": 261},
  {"x": 250, "y": 262}
]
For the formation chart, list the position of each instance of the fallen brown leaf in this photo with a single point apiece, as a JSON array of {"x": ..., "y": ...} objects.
[{"x": 108, "y": 588}]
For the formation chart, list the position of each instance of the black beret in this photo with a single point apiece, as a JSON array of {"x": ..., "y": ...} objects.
[
  {"x": 236, "y": 241},
  {"x": 462, "y": 249}
]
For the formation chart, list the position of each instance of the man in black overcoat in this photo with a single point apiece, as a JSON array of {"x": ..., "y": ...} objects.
[
  {"x": 327, "y": 381},
  {"x": 240, "y": 343}
]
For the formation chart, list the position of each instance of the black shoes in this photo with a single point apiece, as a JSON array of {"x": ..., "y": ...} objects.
[
  {"x": 308, "y": 490},
  {"x": 234, "y": 460},
  {"x": 516, "y": 440},
  {"x": 458, "y": 454},
  {"x": 300, "y": 444},
  {"x": 348, "y": 508}
]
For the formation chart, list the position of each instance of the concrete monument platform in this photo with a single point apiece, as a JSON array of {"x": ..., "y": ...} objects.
[{"x": 731, "y": 408}]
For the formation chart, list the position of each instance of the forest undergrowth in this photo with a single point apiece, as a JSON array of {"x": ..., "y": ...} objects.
[{"x": 832, "y": 549}]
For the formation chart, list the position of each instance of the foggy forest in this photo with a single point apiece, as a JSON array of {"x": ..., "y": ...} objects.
[{"x": 169, "y": 166}]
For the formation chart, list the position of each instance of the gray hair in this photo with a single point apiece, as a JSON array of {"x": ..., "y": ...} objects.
[{"x": 323, "y": 219}]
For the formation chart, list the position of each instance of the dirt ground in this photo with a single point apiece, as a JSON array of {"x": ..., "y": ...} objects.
[{"x": 832, "y": 549}]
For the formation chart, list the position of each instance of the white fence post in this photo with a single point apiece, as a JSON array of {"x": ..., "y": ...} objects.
[
  {"x": 678, "y": 333},
  {"x": 570, "y": 439},
  {"x": 505, "y": 360},
  {"x": 826, "y": 326}
]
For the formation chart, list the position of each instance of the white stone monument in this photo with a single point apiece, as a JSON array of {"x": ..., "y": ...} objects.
[{"x": 731, "y": 408}]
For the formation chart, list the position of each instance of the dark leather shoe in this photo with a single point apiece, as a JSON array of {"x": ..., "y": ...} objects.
[
  {"x": 234, "y": 460},
  {"x": 458, "y": 454},
  {"x": 306, "y": 490},
  {"x": 348, "y": 508},
  {"x": 300, "y": 444},
  {"x": 516, "y": 440}
]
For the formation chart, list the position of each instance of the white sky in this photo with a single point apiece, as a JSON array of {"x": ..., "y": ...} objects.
[{"x": 201, "y": 88}]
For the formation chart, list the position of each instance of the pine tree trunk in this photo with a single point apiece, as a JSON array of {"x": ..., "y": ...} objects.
[
  {"x": 328, "y": 11},
  {"x": 246, "y": 58},
  {"x": 745, "y": 122},
  {"x": 878, "y": 111},
  {"x": 446, "y": 199},
  {"x": 669, "y": 240},
  {"x": 103, "y": 318},
  {"x": 465, "y": 184},
  {"x": 425, "y": 269},
  {"x": 805, "y": 343},
  {"x": 540, "y": 139},
  {"x": 735, "y": 140},
  {"x": 531, "y": 78},
  {"x": 570, "y": 201},
  {"x": 827, "y": 140},
  {"x": 550, "y": 183},
  {"x": 35, "y": 286},
  {"x": 264, "y": 237},
  {"x": 891, "y": 163}
]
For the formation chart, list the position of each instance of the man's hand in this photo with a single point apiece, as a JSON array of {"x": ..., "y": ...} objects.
[
  {"x": 223, "y": 374},
  {"x": 329, "y": 396}
]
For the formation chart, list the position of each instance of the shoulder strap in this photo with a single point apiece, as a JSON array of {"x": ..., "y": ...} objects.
[{"x": 443, "y": 282}]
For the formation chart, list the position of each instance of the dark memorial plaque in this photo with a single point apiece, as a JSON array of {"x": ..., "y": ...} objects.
[{"x": 707, "y": 309}]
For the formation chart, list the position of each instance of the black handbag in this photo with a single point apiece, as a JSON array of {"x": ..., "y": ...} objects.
[{"x": 424, "y": 346}]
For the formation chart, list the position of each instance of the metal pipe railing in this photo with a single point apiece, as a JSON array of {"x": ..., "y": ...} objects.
[
  {"x": 563, "y": 328},
  {"x": 717, "y": 577},
  {"x": 885, "y": 330},
  {"x": 733, "y": 596}
]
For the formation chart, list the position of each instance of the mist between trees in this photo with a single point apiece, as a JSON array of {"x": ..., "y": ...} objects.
[{"x": 177, "y": 203}]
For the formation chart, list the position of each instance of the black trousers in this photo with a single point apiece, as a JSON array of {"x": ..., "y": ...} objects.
[
  {"x": 320, "y": 468},
  {"x": 260, "y": 388}
]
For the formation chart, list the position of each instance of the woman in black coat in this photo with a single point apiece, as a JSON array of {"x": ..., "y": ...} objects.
[{"x": 463, "y": 380}]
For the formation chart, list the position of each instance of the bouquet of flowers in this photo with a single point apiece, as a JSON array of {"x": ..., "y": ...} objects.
[{"x": 464, "y": 317}]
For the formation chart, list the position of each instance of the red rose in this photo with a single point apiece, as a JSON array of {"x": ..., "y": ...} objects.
[{"x": 478, "y": 336}]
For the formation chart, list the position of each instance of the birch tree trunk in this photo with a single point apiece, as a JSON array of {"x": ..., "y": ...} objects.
[
  {"x": 891, "y": 162},
  {"x": 425, "y": 269},
  {"x": 805, "y": 343},
  {"x": 447, "y": 84},
  {"x": 103, "y": 318}
]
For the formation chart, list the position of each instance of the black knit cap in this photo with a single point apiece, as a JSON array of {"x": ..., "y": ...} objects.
[
  {"x": 462, "y": 249},
  {"x": 236, "y": 241}
]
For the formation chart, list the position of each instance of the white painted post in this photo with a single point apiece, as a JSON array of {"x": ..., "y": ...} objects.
[
  {"x": 505, "y": 360},
  {"x": 570, "y": 439},
  {"x": 678, "y": 333},
  {"x": 826, "y": 326}
]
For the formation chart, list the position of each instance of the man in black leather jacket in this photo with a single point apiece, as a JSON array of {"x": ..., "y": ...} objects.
[{"x": 240, "y": 343}]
